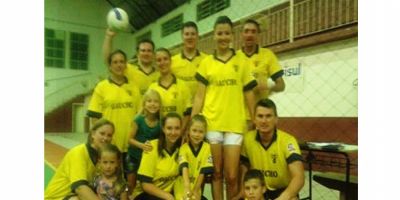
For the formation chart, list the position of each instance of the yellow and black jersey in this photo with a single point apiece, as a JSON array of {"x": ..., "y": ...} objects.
[
  {"x": 140, "y": 78},
  {"x": 225, "y": 84},
  {"x": 198, "y": 162},
  {"x": 185, "y": 69},
  {"x": 175, "y": 98},
  {"x": 265, "y": 66},
  {"x": 117, "y": 103},
  {"x": 77, "y": 168},
  {"x": 272, "y": 160},
  {"x": 160, "y": 171}
]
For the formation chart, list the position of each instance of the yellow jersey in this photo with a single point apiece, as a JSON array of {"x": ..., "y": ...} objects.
[
  {"x": 175, "y": 98},
  {"x": 272, "y": 160},
  {"x": 198, "y": 162},
  {"x": 185, "y": 69},
  {"x": 162, "y": 172},
  {"x": 142, "y": 79},
  {"x": 77, "y": 168},
  {"x": 226, "y": 82},
  {"x": 117, "y": 103}
]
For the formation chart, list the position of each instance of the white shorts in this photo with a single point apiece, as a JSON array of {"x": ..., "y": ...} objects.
[{"x": 227, "y": 138}]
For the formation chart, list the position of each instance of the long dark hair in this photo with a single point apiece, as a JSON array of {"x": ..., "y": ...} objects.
[{"x": 162, "y": 144}]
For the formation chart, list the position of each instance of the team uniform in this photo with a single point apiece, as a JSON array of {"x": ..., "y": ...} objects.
[
  {"x": 162, "y": 172},
  {"x": 143, "y": 133},
  {"x": 265, "y": 66},
  {"x": 142, "y": 79},
  {"x": 198, "y": 162},
  {"x": 225, "y": 84},
  {"x": 77, "y": 168},
  {"x": 175, "y": 98},
  {"x": 185, "y": 69},
  {"x": 272, "y": 160},
  {"x": 117, "y": 103}
]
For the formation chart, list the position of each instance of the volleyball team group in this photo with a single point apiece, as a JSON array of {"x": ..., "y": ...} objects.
[{"x": 163, "y": 126}]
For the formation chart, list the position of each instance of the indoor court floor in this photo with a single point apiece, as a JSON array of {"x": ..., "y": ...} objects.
[{"x": 57, "y": 144}]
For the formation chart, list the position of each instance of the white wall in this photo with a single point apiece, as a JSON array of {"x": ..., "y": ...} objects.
[
  {"x": 327, "y": 83},
  {"x": 87, "y": 17}
]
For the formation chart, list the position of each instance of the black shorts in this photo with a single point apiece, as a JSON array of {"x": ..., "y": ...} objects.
[{"x": 131, "y": 164}]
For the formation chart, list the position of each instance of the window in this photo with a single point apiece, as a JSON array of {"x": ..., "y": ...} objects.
[
  {"x": 79, "y": 51},
  {"x": 172, "y": 25},
  {"x": 59, "y": 45},
  {"x": 54, "y": 47},
  {"x": 209, "y": 7}
]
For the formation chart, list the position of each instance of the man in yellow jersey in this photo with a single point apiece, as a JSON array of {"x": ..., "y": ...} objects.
[
  {"x": 266, "y": 69},
  {"x": 185, "y": 64},
  {"x": 274, "y": 152},
  {"x": 142, "y": 74},
  {"x": 265, "y": 61}
]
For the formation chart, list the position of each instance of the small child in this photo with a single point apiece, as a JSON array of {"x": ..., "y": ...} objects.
[
  {"x": 145, "y": 127},
  {"x": 110, "y": 184},
  {"x": 195, "y": 161},
  {"x": 254, "y": 185}
]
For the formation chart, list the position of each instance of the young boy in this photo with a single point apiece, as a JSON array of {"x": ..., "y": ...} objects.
[{"x": 254, "y": 185}]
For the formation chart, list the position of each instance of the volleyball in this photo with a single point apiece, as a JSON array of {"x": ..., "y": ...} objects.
[{"x": 117, "y": 19}]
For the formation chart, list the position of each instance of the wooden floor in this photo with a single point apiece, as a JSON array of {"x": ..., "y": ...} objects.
[{"x": 53, "y": 153}]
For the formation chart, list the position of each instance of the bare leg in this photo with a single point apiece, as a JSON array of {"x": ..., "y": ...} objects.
[
  {"x": 217, "y": 191},
  {"x": 231, "y": 167},
  {"x": 131, "y": 179}
]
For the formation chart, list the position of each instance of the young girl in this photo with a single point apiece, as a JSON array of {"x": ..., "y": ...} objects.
[
  {"x": 224, "y": 86},
  {"x": 110, "y": 184},
  {"x": 159, "y": 168},
  {"x": 195, "y": 161},
  {"x": 145, "y": 127}
]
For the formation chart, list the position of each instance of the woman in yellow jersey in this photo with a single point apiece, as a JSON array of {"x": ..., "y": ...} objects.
[
  {"x": 116, "y": 99},
  {"x": 175, "y": 95},
  {"x": 159, "y": 168},
  {"x": 78, "y": 167},
  {"x": 224, "y": 85}
]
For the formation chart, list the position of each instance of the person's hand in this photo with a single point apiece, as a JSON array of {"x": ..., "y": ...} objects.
[
  {"x": 147, "y": 147},
  {"x": 170, "y": 197},
  {"x": 197, "y": 195},
  {"x": 110, "y": 33}
]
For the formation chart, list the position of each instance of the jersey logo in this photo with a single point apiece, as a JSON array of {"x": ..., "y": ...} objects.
[
  {"x": 273, "y": 157},
  {"x": 175, "y": 94},
  {"x": 235, "y": 67},
  {"x": 129, "y": 92},
  {"x": 290, "y": 147},
  {"x": 256, "y": 63},
  {"x": 180, "y": 158}
]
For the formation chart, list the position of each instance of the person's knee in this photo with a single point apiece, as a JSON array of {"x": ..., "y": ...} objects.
[
  {"x": 217, "y": 175},
  {"x": 230, "y": 178}
]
